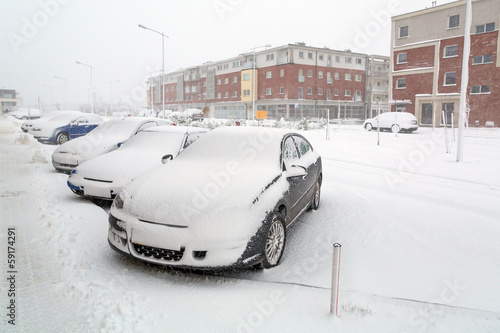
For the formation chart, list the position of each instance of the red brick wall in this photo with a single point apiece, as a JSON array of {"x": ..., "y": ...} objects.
[
  {"x": 415, "y": 84},
  {"x": 422, "y": 57}
]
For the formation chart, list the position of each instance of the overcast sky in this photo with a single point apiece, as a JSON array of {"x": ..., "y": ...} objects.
[{"x": 41, "y": 39}]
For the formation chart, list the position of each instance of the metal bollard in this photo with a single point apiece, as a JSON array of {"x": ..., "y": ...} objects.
[{"x": 334, "y": 302}]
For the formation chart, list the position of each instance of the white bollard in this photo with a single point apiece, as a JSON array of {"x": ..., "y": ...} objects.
[{"x": 334, "y": 302}]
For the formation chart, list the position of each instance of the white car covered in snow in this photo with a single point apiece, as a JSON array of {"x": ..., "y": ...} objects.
[
  {"x": 104, "y": 176},
  {"x": 102, "y": 139},
  {"x": 26, "y": 113},
  {"x": 28, "y": 124},
  {"x": 392, "y": 121},
  {"x": 223, "y": 203}
]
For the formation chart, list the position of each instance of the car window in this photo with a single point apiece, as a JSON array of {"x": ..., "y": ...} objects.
[
  {"x": 303, "y": 145},
  {"x": 289, "y": 152},
  {"x": 81, "y": 120},
  {"x": 93, "y": 119},
  {"x": 192, "y": 138},
  {"x": 147, "y": 125}
]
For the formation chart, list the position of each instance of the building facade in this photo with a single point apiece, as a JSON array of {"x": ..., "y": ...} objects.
[
  {"x": 426, "y": 56},
  {"x": 291, "y": 81},
  {"x": 9, "y": 100}
]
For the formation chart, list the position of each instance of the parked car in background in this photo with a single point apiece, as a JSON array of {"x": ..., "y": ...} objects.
[
  {"x": 104, "y": 176},
  {"x": 26, "y": 113},
  {"x": 28, "y": 124},
  {"x": 223, "y": 203},
  {"x": 393, "y": 121},
  {"x": 65, "y": 127},
  {"x": 102, "y": 139}
]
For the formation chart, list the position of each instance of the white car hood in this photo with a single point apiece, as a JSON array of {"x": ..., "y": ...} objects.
[{"x": 89, "y": 146}]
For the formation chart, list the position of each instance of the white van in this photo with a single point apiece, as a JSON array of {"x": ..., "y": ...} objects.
[{"x": 393, "y": 121}]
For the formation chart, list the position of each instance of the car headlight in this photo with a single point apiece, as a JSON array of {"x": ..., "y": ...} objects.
[{"x": 118, "y": 201}]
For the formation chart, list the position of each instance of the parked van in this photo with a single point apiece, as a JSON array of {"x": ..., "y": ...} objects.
[{"x": 393, "y": 121}]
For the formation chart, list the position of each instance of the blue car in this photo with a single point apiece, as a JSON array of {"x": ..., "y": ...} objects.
[{"x": 65, "y": 127}]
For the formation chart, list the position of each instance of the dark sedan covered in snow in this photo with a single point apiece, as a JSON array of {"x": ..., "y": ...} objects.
[{"x": 223, "y": 203}]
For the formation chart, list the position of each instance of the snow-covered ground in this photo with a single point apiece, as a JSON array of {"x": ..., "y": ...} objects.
[{"x": 419, "y": 233}]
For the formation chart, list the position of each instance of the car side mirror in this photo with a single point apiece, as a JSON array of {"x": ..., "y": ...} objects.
[
  {"x": 119, "y": 144},
  {"x": 296, "y": 171},
  {"x": 167, "y": 158}
]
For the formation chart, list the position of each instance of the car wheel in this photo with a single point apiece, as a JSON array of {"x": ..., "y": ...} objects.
[
  {"x": 317, "y": 194},
  {"x": 62, "y": 138},
  {"x": 368, "y": 127},
  {"x": 275, "y": 242},
  {"x": 395, "y": 128}
]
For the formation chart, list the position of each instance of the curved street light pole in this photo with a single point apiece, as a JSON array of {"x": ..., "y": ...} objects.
[
  {"x": 91, "y": 88},
  {"x": 162, "y": 64},
  {"x": 255, "y": 78}
]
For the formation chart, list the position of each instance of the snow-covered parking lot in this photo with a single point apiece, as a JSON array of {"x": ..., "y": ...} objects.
[{"x": 419, "y": 233}]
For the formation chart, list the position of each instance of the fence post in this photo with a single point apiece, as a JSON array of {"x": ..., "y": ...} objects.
[{"x": 334, "y": 302}]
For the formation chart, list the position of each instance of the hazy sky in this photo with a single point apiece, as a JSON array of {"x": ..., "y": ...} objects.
[{"x": 40, "y": 39}]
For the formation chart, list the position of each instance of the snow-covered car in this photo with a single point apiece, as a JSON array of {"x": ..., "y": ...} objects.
[
  {"x": 64, "y": 127},
  {"x": 223, "y": 203},
  {"x": 28, "y": 124},
  {"x": 25, "y": 113},
  {"x": 104, "y": 176},
  {"x": 102, "y": 139},
  {"x": 392, "y": 121}
]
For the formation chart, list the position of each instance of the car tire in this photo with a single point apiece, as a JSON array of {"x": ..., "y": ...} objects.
[
  {"x": 317, "y": 194},
  {"x": 275, "y": 241},
  {"x": 368, "y": 127},
  {"x": 62, "y": 138},
  {"x": 395, "y": 128}
]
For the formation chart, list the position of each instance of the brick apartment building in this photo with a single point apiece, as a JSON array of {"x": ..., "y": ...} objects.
[
  {"x": 291, "y": 81},
  {"x": 426, "y": 56}
]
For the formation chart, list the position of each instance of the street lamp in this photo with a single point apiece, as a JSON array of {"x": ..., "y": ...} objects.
[
  {"x": 51, "y": 95},
  {"x": 162, "y": 64},
  {"x": 91, "y": 88},
  {"x": 65, "y": 91},
  {"x": 111, "y": 88},
  {"x": 255, "y": 79}
]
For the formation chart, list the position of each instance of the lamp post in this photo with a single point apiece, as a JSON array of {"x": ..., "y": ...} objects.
[
  {"x": 255, "y": 79},
  {"x": 65, "y": 91},
  {"x": 111, "y": 89},
  {"x": 91, "y": 88},
  {"x": 51, "y": 95},
  {"x": 162, "y": 64}
]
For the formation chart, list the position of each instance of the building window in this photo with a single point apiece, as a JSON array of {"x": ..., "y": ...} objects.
[
  {"x": 485, "y": 28},
  {"x": 309, "y": 55},
  {"x": 348, "y": 76},
  {"x": 358, "y": 77},
  {"x": 218, "y": 95},
  {"x": 235, "y": 94},
  {"x": 309, "y": 91},
  {"x": 301, "y": 54},
  {"x": 359, "y": 61},
  {"x": 282, "y": 72},
  {"x": 337, "y": 76},
  {"x": 282, "y": 90},
  {"x": 268, "y": 91},
  {"x": 347, "y": 93},
  {"x": 269, "y": 74},
  {"x": 482, "y": 59},
  {"x": 226, "y": 94},
  {"x": 218, "y": 82},
  {"x": 321, "y": 57},
  {"x": 246, "y": 92},
  {"x": 450, "y": 79},
  {"x": 320, "y": 91},
  {"x": 336, "y": 92},
  {"x": 485, "y": 89},
  {"x": 337, "y": 58},
  {"x": 453, "y": 21},
  {"x": 226, "y": 80},
  {"x": 246, "y": 77},
  {"x": 348, "y": 60},
  {"x": 451, "y": 51},
  {"x": 235, "y": 79},
  {"x": 358, "y": 93},
  {"x": 309, "y": 73},
  {"x": 270, "y": 57},
  {"x": 328, "y": 94},
  {"x": 402, "y": 58},
  {"x": 301, "y": 93},
  {"x": 320, "y": 74},
  {"x": 329, "y": 78},
  {"x": 401, "y": 83},
  {"x": 403, "y": 31}
]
